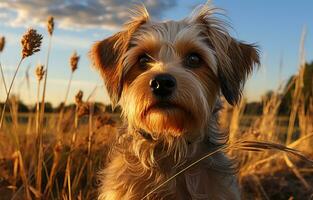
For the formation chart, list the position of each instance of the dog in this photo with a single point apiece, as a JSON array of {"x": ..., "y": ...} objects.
[{"x": 169, "y": 78}]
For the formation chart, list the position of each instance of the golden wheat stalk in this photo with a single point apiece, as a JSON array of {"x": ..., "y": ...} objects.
[
  {"x": 67, "y": 177},
  {"x": 298, "y": 89},
  {"x": 73, "y": 64},
  {"x": 50, "y": 25},
  {"x": 79, "y": 102},
  {"x": 23, "y": 174},
  {"x": 15, "y": 159},
  {"x": 39, "y": 75},
  {"x": 56, "y": 159},
  {"x": 2, "y": 44},
  {"x": 8, "y": 93},
  {"x": 90, "y": 127},
  {"x": 39, "y": 137},
  {"x": 50, "y": 28},
  {"x": 296, "y": 172},
  {"x": 31, "y": 42},
  {"x": 3, "y": 79}
]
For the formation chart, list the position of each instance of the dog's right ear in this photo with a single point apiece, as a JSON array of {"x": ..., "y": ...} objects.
[{"x": 106, "y": 54}]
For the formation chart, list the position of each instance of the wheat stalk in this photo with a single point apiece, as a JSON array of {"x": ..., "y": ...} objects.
[
  {"x": 31, "y": 42},
  {"x": 73, "y": 64},
  {"x": 298, "y": 89},
  {"x": 2, "y": 44},
  {"x": 50, "y": 29}
]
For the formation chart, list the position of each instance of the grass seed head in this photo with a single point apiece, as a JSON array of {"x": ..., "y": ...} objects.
[
  {"x": 79, "y": 97},
  {"x": 40, "y": 72},
  {"x": 50, "y": 25},
  {"x": 31, "y": 42},
  {"x": 74, "y": 61},
  {"x": 2, "y": 43}
]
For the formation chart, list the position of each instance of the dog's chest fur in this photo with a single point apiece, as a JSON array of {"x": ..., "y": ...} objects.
[{"x": 127, "y": 176}]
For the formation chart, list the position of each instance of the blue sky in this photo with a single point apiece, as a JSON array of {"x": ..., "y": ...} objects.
[{"x": 276, "y": 26}]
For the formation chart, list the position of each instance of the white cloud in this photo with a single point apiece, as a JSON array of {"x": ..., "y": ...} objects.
[{"x": 73, "y": 14}]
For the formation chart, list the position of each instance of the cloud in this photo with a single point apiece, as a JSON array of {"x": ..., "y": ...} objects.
[{"x": 73, "y": 14}]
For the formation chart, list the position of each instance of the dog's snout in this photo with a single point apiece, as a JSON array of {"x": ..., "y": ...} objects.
[{"x": 163, "y": 85}]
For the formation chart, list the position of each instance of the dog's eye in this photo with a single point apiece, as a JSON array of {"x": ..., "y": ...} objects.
[
  {"x": 144, "y": 60},
  {"x": 193, "y": 60}
]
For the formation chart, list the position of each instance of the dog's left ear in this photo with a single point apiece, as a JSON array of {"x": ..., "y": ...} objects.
[
  {"x": 232, "y": 72},
  {"x": 235, "y": 60}
]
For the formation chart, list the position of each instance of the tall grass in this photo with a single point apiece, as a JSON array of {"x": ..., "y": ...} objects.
[
  {"x": 31, "y": 42},
  {"x": 73, "y": 64}
]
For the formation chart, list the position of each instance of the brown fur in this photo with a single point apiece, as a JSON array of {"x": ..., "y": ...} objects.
[{"x": 154, "y": 142}]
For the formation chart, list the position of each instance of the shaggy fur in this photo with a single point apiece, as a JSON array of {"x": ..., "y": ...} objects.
[{"x": 155, "y": 141}]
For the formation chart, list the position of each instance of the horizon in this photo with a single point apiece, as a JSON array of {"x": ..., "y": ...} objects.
[{"x": 278, "y": 41}]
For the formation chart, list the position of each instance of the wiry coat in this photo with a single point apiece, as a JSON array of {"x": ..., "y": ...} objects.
[{"x": 155, "y": 143}]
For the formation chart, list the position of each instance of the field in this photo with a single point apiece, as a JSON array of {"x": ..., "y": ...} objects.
[{"x": 57, "y": 155}]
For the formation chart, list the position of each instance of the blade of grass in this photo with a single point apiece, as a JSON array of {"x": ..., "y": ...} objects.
[{"x": 9, "y": 91}]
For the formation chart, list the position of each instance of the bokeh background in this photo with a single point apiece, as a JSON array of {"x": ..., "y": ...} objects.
[{"x": 54, "y": 143}]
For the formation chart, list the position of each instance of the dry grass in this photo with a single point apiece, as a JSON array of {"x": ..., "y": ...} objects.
[{"x": 71, "y": 146}]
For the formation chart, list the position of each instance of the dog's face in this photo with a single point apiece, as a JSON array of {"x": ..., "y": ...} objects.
[{"x": 167, "y": 76}]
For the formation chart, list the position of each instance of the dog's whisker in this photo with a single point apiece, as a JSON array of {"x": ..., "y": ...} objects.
[{"x": 151, "y": 57}]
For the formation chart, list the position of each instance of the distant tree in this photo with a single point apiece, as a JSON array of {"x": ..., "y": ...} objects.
[
  {"x": 22, "y": 107},
  {"x": 253, "y": 108},
  {"x": 48, "y": 108},
  {"x": 59, "y": 107},
  {"x": 99, "y": 107},
  {"x": 267, "y": 95},
  {"x": 109, "y": 109}
]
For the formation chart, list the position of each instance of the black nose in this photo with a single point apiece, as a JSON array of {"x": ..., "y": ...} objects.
[{"x": 163, "y": 85}]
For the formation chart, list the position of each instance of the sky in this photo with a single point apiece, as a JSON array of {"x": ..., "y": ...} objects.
[{"x": 275, "y": 26}]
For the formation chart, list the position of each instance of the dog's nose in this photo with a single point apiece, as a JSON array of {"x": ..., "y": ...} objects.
[{"x": 163, "y": 85}]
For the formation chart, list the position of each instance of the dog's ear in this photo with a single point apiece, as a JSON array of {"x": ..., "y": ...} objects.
[
  {"x": 235, "y": 60},
  {"x": 107, "y": 54},
  {"x": 232, "y": 74}
]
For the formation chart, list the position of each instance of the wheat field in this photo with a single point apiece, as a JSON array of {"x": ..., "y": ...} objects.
[{"x": 57, "y": 155}]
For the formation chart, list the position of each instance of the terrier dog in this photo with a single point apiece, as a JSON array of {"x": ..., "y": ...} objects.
[{"x": 169, "y": 78}]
